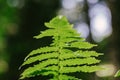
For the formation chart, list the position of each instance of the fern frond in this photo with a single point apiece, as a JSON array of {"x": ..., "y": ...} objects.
[
  {"x": 67, "y": 53},
  {"x": 42, "y": 50},
  {"x": 56, "y": 23},
  {"x": 66, "y": 77},
  {"x": 48, "y": 72},
  {"x": 71, "y": 39},
  {"x": 40, "y": 58},
  {"x": 50, "y": 32},
  {"x": 67, "y": 32},
  {"x": 84, "y": 45},
  {"x": 79, "y": 54},
  {"x": 38, "y": 67},
  {"x": 88, "y": 69},
  {"x": 77, "y": 61}
]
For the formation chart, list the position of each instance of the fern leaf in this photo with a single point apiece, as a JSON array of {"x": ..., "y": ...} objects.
[
  {"x": 71, "y": 39},
  {"x": 78, "y": 54},
  {"x": 78, "y": 61},
  {"x": 82, "y": 45},
  {"x": 53, "y": 70},
  {"x": 80, "y": 69},
  {"x": 48, "y": 72},
  {"x": 65, "y": 77},
  {"x": 40, "y": 58},
  {"x": 46, "y": 33},
  {"x": 66, "y": 33},
  {"x": 81, "y": 53},
  {"x": 38, "y": 67},
  {"x": 42, "y": 50},
  {"x": 56, "y": 23},
  {"x": 67, "y": 53}
]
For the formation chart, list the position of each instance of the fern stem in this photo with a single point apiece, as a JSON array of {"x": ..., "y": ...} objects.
[
  {"x": 59, "y": 52},
  {"x": 59, "y": 63}
]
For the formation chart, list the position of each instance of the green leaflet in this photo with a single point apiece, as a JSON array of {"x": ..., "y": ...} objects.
[
  {"x": 40, "y": 57},
  {"x": 71, "y": 39},
  {"x": 80, "y": 69},
  {"x": 65, "y": 77},
  {"x": 117, "y": 74},
  {"x": 50, "y": 32},
  {"x": 77, "y": 61},
  {"x": 84, "y": 45},
  {"x": 78, "y": 54},
  {"x": 38, "y": 67},
  {"x": 42, "y": 50},
  {"x": 56, "y": 23},
  {"x": 64, "y": 55}
]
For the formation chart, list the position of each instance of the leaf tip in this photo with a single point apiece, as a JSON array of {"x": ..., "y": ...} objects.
[{"x": 60, "y": 16}]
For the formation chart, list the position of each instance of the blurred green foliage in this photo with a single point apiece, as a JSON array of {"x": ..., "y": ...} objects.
[{"x": 7, "y": 17}]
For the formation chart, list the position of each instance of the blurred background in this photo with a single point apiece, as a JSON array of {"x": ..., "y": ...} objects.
[{"x": 98, "y": 21}]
